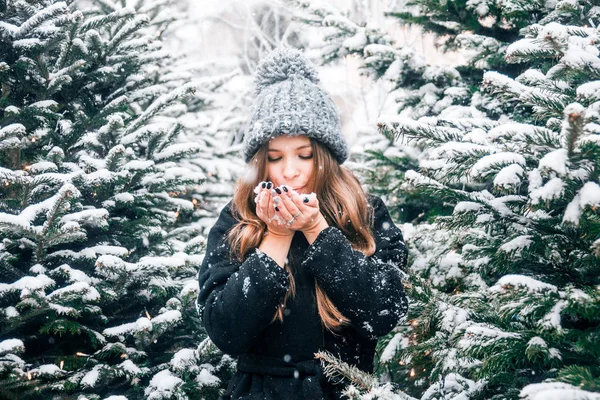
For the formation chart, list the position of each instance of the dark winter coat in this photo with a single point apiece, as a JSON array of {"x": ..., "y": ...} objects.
[{"x": 276, "y": 360}]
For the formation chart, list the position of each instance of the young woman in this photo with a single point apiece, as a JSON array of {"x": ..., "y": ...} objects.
[{"x": 301, "y": 259}]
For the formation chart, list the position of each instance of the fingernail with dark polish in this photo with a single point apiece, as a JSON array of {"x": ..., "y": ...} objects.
[
  {"x": 269, "y": 185},
  {"x": 306, "y": 200},
  {"x": 278, "y": 190},
  {"x": 285, "y": 189},
  {"x": 264, "y": 185},
  {"x": 276, "y": 208}
]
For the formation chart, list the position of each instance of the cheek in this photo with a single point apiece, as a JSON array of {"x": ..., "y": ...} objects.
[
  {"x": 308, "y": 171},
  {"x": 271, "y": 173}
]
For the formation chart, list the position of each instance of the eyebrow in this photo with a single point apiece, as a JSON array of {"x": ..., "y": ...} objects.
[{"x": 297, "y": 148}]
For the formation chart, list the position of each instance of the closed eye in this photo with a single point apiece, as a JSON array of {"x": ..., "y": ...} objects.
[{"x": 277, "y": 159}]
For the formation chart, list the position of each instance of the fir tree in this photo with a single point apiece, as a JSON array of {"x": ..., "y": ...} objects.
[
  {"x": 98, "y": 273},
  {"x": 419, "y": 90},
  {"x": 522, "y": 250},
  {"x": 484, "y": 28}
]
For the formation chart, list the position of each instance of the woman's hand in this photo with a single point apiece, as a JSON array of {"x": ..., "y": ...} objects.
[
  {"x": 299, "y": 212},
  {"x": 265, "y": 210}
]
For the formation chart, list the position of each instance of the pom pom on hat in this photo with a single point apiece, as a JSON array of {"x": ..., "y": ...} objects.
[{"x": 282, "y": 64}]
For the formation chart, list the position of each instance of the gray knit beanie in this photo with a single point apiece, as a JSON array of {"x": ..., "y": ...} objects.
[{"x": 290, "y": 101}]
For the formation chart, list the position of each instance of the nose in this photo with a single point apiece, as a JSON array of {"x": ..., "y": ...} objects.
[{"x": 290, "y": 169}]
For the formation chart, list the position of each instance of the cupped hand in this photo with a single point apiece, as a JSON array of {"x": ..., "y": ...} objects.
[
  {"x": 301, "y": 209},
  {"x": 265, "y": 210}
]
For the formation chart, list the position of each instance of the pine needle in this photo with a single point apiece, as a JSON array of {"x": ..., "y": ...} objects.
[{"x": 336, "y": 369}]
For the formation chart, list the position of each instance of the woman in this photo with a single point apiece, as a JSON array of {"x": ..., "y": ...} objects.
[{"x": 301, "y": 259}]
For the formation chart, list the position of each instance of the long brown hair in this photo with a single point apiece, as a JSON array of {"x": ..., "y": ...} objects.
[{"x": 342, "y": 201}]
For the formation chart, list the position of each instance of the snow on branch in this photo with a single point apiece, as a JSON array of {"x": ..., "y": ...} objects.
[
  {"x": 27, "y": 285},
  {"x": 129, "y": 28},
  {"x": 11, "y": 346},
  {"x": 553, "y": 189},
  {"x": 525, "y": 50},
  {"x": 484, "y": 335},
  {"x": 94, "y": 217},
  {"x": 528, "y": 283},
  {"x": 516, "y": 245},
  {"x": 556, "y": 390},
  {"x": 76, "y": 290},
  {"x": 12, "y": 130},
  {"x": 144, "y": 324},
  {"x": 40, "y": 17},
  {"x": 101, "y": 20},
  {"x": 163, "y": 385},
  {"x": 176, "y": 151},
  {"x": 412, "y": 129},
  {"x": 588, "y": 196},
  {"x": 492, "y": 162},
  {"x": 161, "y": 103},
  {"x": 50, "y": 206},
  {"x": 316, "y": 7},
  {"x": 589, "y": 91}
]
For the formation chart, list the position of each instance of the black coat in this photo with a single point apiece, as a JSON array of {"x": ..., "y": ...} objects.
[{"x": 238, "y": 302}]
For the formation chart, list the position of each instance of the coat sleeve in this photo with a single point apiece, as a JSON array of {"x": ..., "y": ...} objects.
[
  {"x": 367, "y": 290},
  {"x": 237, "y": 300}
]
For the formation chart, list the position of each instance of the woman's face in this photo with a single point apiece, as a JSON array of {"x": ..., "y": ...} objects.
[{"x": 290, "y": 162}]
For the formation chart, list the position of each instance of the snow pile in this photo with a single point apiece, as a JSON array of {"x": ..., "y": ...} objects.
[
  {"x": 129, "y": 367},
  {"x": 516, "y": 245},
  {"x": 452, "y": 386},
  {"x": 588, "y": 196},
  {"x": 91, "y": 378},
  {"x": 183, "y": 359},
  {"x": 163, "y": 385},
  {"x": 46, "y": 370},
  {"x": 551, "y": 321},
  {"x": 28, "y": 285},
  {"x": 11, "y": 346},
  {"x": 76, "y": 290},
  {"x": 452, "y": 317},
  {"x": 158, "y": 324},
  {"x": 492, "y": 162},
  {"x": 521, "y": 281},
  {"x": 399, "y": 341},
  {"x": 206, "y": 378},
  {"x": 383, "y": 392},
  {"x": 484, "y": 335},
  {"x": 556, "y": 391}
]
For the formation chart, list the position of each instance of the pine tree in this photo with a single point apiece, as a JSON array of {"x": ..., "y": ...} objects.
[
  {"x": 522, "y": 321},
  {"x": 98, "y": 288},
  {"x": 419, "y": 90},
  {"x": 483, "y": 28},
  {"x": 212, "y": 120},
  {"x": 471, "y": 334}
]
